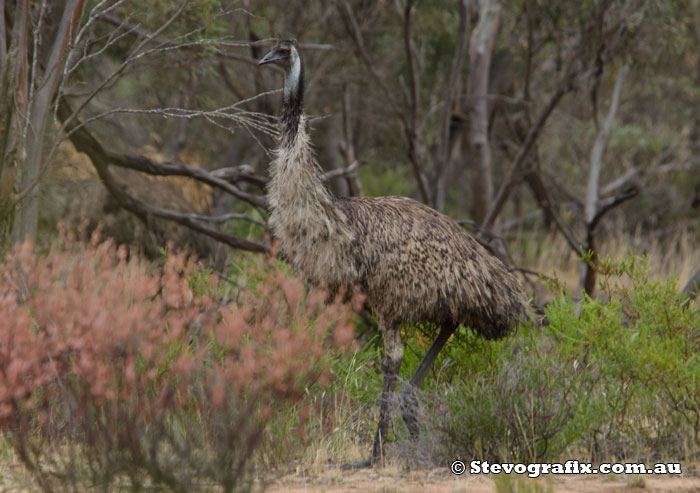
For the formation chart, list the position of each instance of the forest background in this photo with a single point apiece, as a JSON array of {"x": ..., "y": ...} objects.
[{"x": 559, "y": 133}]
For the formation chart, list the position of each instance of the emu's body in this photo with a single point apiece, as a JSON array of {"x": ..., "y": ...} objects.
[{"x": 413, "y": 263}]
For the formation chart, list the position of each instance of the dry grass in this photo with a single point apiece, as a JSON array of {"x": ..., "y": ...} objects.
[{"x": 675, "y": 255}]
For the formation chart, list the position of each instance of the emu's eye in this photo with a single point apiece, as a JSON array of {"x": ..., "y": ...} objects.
[{"x": 284, "y": 52}]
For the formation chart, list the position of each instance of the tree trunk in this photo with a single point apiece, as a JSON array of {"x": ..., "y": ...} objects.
[
  {"x": 29, "y": 82},
  {"x": 447, "y": 140},
  {"x": 480, "y": 50},
  {"x": 13, "y": 104},
  {"x": 587, "y": 280},
  {"x": 330, "y": 151},
  {"x": 692, "y": 287}
]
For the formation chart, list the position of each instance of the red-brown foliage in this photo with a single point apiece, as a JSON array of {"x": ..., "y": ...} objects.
[{"x": 108, "y": 352}]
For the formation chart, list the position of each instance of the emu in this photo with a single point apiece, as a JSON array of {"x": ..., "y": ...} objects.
[{"x": 412, "y": 263}]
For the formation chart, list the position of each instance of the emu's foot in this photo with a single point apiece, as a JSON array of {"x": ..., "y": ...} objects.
[{"x": 363, "y": 464}]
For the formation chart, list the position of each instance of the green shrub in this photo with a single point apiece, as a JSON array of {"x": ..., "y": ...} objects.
[
  {"x": 617, "y": 376},
  {"x": 641, "y": 340},
  {"x": 526, "y": 405}
]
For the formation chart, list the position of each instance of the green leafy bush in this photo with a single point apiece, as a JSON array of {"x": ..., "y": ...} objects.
[
  {"x": 526, "y": 405},
  {"x": 641, "y": 341},
  {"x": 617, "y": 376}
]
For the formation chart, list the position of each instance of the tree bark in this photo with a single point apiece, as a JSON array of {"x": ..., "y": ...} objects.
[
  {"x": 332, "y": 157},
  {"x": 446, "y": 139},
  {"x": 692, "y": 287},
  {"x": 14, "y": 75},
  {"x": 480, "y": 51},
  {"x": 587, "y": 280},
  {"x": 31, "y": 71},
  {"x": 27, "y": 214}
]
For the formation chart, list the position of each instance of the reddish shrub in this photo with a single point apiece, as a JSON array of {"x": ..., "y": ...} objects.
[{"x": 108, "y": 362}]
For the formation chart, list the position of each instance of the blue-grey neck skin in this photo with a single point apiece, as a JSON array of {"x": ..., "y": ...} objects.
[
  {"x": 292, "y": 99},
  {"x": 293, "y": 74}
]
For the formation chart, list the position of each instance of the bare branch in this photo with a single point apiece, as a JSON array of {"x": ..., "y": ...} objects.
[
  {"x": 598, "y": 148},
  {"x": 410, "y": 129},
  {"x": 145, "y": 165},
  {"x": 548, "y": 206},
  {"x": 356, "y": 34},
  {"x": 636, "y": 176},
  {"x": 631, "y": 176},
  {"x": 135, "y": 53},
  {"x": 563, "y": 228},
  {"x": 243, "y": 58},
  {"x": 577, "y": 71},
  {"x": 143, "y": 210},
  {"x": 318, "y": 46},
  {"x": 137, "y": 31},
  {"x": 3, "y": 35},
  {"x": 95, "y": 12},
  {"x": 109, "y": 40},
  {"x": 534, "y": 273},
  {"x": 258, "y": 121},
  {"x": 132, "y": 29},
  {"x": 611, "y": 204},
  {"x": 222, "y": 218},
  {"x": 244, "y": 172},
  {"x": 442, "y": 164},
  {"x": 350, "y": 170},
  {"x": 503, "y": 192},
  {"x": 85, "y": 142}
]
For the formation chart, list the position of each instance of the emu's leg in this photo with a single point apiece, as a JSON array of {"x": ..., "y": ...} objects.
[
  {"x": 393, "y": 354},
  {"x": 409, "y": 400}
]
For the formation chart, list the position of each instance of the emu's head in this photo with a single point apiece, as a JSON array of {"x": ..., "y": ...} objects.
[{"x": 285, "y": 54}]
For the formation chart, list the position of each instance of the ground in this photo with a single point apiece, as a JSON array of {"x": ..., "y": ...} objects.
[
  {"x": 394, "y": 480},
  {"x": 443, "y": 481}
]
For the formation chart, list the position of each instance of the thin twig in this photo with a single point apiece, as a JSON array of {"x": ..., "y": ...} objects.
[
  {"x": 222, "y": 218},
  {"x": 129, "y": 59},
  {"x": 607, "y": 207},
  {"x": 350, "y": 170},
  {"x": 85, "y": 142}
]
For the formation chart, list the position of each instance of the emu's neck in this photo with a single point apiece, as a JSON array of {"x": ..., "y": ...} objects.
[
  {"x": 292, "y": 103},
  {"x": 303, "y": 213},
  {"x": 296, "y": 181}
]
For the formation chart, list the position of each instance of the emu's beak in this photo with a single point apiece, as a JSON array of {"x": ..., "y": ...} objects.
[{"x": 273, "y": 56}]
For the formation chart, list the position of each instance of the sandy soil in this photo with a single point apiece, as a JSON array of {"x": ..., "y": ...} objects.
[
  {"x": 443, "y": 481},
  {"x": 394, "y": 480}
]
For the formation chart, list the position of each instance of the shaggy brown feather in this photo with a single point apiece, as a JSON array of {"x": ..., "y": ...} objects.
[{"x": 417, "y": 265}]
